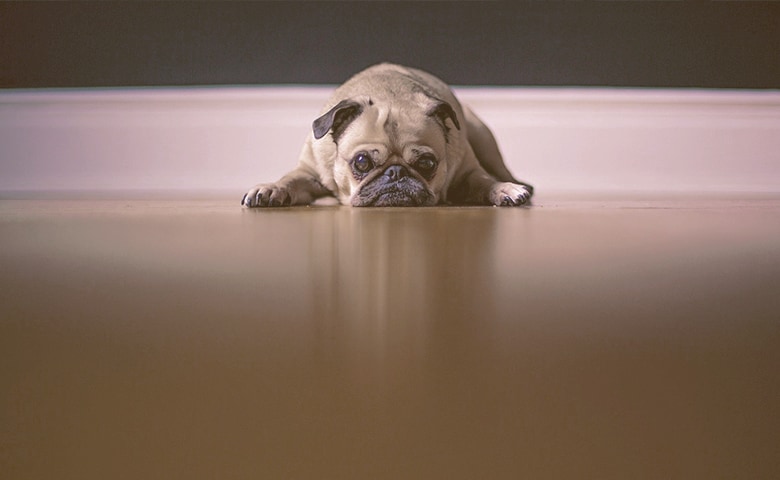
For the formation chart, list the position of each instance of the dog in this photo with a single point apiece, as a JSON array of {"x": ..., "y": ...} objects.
[{"x": 393, "y": 136}]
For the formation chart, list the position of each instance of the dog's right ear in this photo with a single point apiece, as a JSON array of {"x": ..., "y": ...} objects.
[{"x": 337, "y": 119}]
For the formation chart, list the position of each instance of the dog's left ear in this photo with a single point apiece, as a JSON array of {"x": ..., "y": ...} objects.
[
  {"x": 441, "y": 111},
  {"x": 337, "y": 118}
]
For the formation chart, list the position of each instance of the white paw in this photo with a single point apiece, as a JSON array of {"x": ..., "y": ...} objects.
[
  {"x": 267, "y": 195},
  {"x": 509, "y": 194}
]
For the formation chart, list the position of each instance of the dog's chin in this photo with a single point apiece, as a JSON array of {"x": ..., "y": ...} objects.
[
  {"x": 396, "y": 199},
  {"x": 415, "y": 195}
]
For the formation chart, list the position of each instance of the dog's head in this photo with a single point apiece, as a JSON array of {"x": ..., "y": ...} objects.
[{"x": 390, "y": 152}]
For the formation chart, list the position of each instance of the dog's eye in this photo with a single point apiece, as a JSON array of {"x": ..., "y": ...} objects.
[
  {"x": 425, "y": 164},
  {"x": 362, "y": 163}
]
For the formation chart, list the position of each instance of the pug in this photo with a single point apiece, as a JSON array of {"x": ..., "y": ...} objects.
[{"x": 393, "y": 136}]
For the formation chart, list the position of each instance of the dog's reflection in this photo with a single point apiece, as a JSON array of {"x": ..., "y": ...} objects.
[{"x": 389, "y": 277}]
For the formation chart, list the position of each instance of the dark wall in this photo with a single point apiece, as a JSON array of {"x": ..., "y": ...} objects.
[{"x": 657, "y": 44}]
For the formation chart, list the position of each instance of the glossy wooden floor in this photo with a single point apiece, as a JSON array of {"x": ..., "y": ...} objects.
[{"x": 580, "y": 338}]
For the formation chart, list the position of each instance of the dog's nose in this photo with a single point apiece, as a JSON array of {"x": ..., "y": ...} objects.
[{"x": 396, "y": 172}]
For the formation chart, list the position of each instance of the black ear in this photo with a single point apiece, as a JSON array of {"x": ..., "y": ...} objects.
[
  {"x": 337, "y": 118},
  {"x": 441, "y": 111}
]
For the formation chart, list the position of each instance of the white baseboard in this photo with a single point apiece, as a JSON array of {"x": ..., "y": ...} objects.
[{"x": 229, "y": 138}]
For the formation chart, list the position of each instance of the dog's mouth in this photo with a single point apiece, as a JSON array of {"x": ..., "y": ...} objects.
[
  {"x": 397, "y": 199},
  {"x": 404, "y": 193}
]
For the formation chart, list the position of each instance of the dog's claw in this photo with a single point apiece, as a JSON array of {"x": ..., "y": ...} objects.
[
  {"x": 267, "y": 195},
  {"x": 509, "y": 195}
]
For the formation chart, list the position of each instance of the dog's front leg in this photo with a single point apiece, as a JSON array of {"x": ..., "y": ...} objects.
[
  {"x": 299, "y": 187},
  {"x": 477, "y": 187}
]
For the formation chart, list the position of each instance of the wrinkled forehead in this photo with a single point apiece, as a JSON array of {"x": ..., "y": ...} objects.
[{"x": 397, "y": 127}]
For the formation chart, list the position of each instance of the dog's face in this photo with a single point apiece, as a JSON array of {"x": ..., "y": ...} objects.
[{"x": 389, "y": 153}]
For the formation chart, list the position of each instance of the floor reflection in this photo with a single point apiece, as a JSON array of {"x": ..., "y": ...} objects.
[{"x": 200, "y": 340}]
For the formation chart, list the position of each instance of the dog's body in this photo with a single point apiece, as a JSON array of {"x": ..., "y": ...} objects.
[{"x": 396, "y": 136}]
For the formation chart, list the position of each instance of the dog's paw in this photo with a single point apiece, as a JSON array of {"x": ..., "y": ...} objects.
[
  {"x": 267, "y": 195},
  {"x": 509, "y": 194}
]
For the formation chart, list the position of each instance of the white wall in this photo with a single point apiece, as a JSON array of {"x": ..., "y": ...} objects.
[{"x": 227, "y": 139}]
